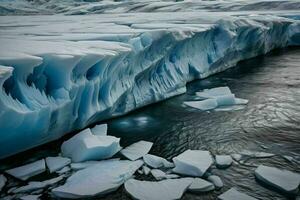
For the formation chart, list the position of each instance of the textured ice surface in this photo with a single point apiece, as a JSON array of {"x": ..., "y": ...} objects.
[
  {"x": 137, "y": 150},
  {"x": 98, "y": 179},
  {"x": 26, "y": 171},
  {"x": 200, "y": 185},
  {"x": 57, "y": 163},
  {"x": 85, "y": 146},
  {"x": 156, "y": 161},
  {"x": 283, "y": 180},
  {"x": 3, "y": 180},
  {"x": 166, "y": 189},
  {"x": 223, "y": 161},
  {"x": 192, "y": 162},
  {"x": 233, "y": 194},
  {"x": 61, "y": 73}
]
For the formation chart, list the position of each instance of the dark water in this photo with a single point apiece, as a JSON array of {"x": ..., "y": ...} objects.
[{"x": 269, "y": 123}]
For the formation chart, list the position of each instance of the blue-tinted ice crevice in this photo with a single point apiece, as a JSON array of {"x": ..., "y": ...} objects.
[{"x": 50, "y": 87}]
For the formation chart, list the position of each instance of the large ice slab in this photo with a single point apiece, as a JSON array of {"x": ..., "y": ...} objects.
[
  {"x": 85, "y": 146},
  {"x": 192, "y": 162},
  {"x": 166, "y": 189},
  {"x": 282, "y": 180},
  {"x": 26, "y": 171},
  {"x": 137, "y": 150},
  {"x": 233, "y": 194},
  {"x": 98, "y": 179}
]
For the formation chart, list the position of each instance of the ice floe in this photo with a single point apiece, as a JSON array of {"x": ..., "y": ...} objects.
[
  {"x": 201, "y": 185},
  {"x": 98, "y": 179},
  {"x": 3, "y": 180},
  {"x": 223, "y": 161},
  {"x": 136, "y": 150},
  {"x": 282, "y": 180},
  {"x": 169, "y": 189},
  {"x": 216, "y": 180},
  {"x": 57, "y": 163},
  {"x": 26, "y": 171},
  {"x": 156, "y": 161},
  {"x": 207, "y": 104},
  {"x": 160, "y": 175},
  {"x": 85, "y": 146},
  {"x": 233, "y": 194},
  {"x": 192, "y": 162}
]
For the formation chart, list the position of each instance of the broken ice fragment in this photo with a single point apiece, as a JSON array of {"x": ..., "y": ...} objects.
[
  {"x": 156, "y": 161},
  {"x": 86, "y": 146},
  {"x": 223, "y": 161},
  {"x": 256, "y": 154},
  {"x": 158, "y": 174},
  {"x": 192, "y": 162},
  {"x": 217, "y": 181},
  {"x": 239, "y": 101},
  {"x": 30, "y": 197},
  {"x": 233, "y": 194},
  {"x": 225, "y": 100},
  {"x": 213, "y": 92},
  {"x": 237, "y": 157},
  {"x": 146, "y": 170},
  {"x": 64, "y": 170},
  {"x": 98, "y": 179},
  {"x": 200, "y": 185},
  {"x": 57, "y": 163},
  {"x": 100, "y": 130},
  {"x": 207, "y": 104},
  {"x": 166, "y": 189},
  {"x": 26, "y": 171},
  {"x": 83, "y": 165},
  {"x": 3, "y": 180},
  {"x": 283, "y": 180},
  {"x": 137, "y": 150}
]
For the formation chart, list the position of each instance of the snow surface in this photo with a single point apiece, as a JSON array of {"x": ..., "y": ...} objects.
[
  {"x": 137, "y": 150},
  {"x": 60, "y": 73},
  {"x": 98, "y": 179}
]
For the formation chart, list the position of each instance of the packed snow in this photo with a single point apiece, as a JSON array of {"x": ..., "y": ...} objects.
[
  {"x": 283, "y": 180},
  {"x": 233, "y": 194},
  {"x": 137, "y": 150}
]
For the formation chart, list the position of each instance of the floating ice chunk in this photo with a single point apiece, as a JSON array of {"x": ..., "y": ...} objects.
[
  {"x": 30, "y": 197},
  {"x": 283, "y": 180},
  {"x": 57, "y": 163},
  {"x": 237, "y": 157},
  {"x": 26, "y": 171},
  {"x": 217, "y": 181},
  {"x": 158, "y": 174},
  {"x": 35, "y": 185},
  {"x": 86, "y": 146},
  {"x": 156, "y": 161},
  {"x": 137, "y": 150},
  {"x": 225, "y": 100},
  {"x": 146, "y": 170},
  {"x": 233, "y": 194},
  {"x": 3, "y": 180},
  {"x": 239, "y": 101},
  {"x": 192, "y": 162},
  {"x": 100, "y": 130},
  {"x": 166, "y": 189},
  {"x": 256, "y": 154},
  {"x": 214, "y": 92},
  {"x": 98, "y": 179},
  {"x": 223, "y": 161},
  {"x": 201, "y": 185},
  {"x": 64, "y": 170},
  {"x": 207, "y": 104}
]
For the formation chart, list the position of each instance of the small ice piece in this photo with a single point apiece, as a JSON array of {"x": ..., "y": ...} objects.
[
  {"x": 213, "y": 92},
  {"x": 192, "y": 162},
  {"x": 233, "y": 194},
  {"x": 30, "y": 197},
  {"x": 57, "y": 163},
  {"x": 239, "y": 101},
  {"x": 137, "y": 150},
  {"x": 283, "y": 180},
  {"x": 146, "y": 170},
  {"x": 237, "y": 157},
  {"x": 26, "y": 171},
  {"x": 85, "y": 146},
  {"x": 166, "y": 189},
  {"x": 3, "y": 180},
  {"x": 256, "y": 154},
  {"x": 225, "y": 100},
  {"x": 83, "y": 165},
  {"x": 201, "y": 185},
  {"x": 100, "y": 130},
  {"x": 158, "y": 174},
  {"x": 156, "y": 161},
  {"x": 64, "y": 170},
  {"x": 140, "y": 171},
  {"x": 98, "y": 179},
  {"x": 207, "y": 104},
  {"x": 35, "y": 185},
  {"x": 217, "y": 181},
  {"x": 223, "y": 161}
]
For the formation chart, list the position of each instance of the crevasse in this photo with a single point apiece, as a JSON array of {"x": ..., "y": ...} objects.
[{"x": 50, "y": 88}]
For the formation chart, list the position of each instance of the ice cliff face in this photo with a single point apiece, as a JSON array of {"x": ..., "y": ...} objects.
[{"x": 61, "y": 73}]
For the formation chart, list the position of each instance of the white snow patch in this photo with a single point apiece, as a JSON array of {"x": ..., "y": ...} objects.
[{"x": 137, "y": 150}]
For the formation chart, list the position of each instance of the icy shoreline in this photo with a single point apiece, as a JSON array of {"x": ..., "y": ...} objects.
[{"x": 58, "y": 76}]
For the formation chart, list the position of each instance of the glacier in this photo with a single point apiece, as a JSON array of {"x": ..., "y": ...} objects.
[{"x": 62, "y": 72}]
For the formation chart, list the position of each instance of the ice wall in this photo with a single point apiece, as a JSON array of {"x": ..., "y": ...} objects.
[{"x": 61, "y": 73}]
